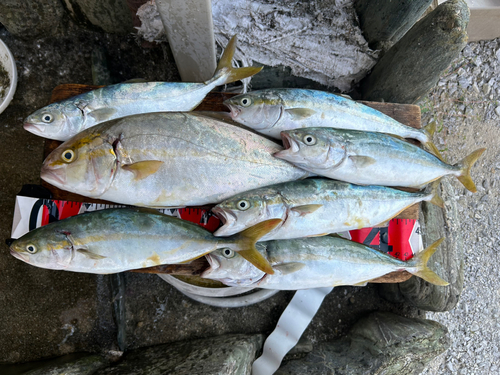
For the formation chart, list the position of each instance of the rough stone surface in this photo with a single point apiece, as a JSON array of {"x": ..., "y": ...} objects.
[
  {"x": 49, "y": 313},
  {"x": 467, "y": 121},
  {"x": 413, "y": 65},
  {"x": 447, "y": 261},
  {"x": 231, "y": 355},
  {"x": 112, "y": 16},
  {"x": 385, "y": 22},
  {"x": 31, "y": 18},
  {"x": 382, "y": 343},
  {"x": 83, "y": 366}
]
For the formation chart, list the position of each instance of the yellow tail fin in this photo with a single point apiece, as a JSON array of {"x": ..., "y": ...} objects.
[
  {"x": 465, "y": 165},
  {"x": 425, "y": 272},
  {"x": 225, "y": 68},
  {"x": 245, "y": 244}
]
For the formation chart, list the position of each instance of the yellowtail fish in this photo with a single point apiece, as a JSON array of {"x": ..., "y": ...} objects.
[
  {"x": 166, "y": 160},
  {"x": 314, "y": 263},
  {"x": 66, "y": 118},
  {"x": 367, "y": 158},
  {"x": 272, "y": 111},
  {"x": 315, "y": 207},
  {"x": 116, "y": 240}
]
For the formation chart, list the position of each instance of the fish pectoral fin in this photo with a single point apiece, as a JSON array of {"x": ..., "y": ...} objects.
[
  {"x": 300, "y": 113},
  {"x": 319, "y": 235},
  {"x": 306, "y": 209},
  {"x": 287, "y": 268},
  {"x": 102, "y": 114},
  {"x": 362, "y": 161},
  {"x": 89, "y": 254},
  {"x": 143, "y": 169}
]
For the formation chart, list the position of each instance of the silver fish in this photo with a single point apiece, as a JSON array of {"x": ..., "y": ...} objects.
[
  {"x": 315, "y": 207},
  {"x": 166, "y": 160},
  {"x": 272, "y": 111},
  {"x": 66, "y": 118},
  {"x": 367, "y": 158},
  {"x": 117, "y": 240},
  {"x": 314, "y": 263}
]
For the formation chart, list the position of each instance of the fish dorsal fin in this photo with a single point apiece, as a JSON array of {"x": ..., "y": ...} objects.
[
  {"x": 360, "y": 161},
  {"x": 135, "y": 80},
  {"x": 300, "y": 113},
  {"x": 143, "y": 169},
  {"x": 287, "y": 268},
  {"x": 102, "y": 114},
  {"x": 306, "y": 209}
]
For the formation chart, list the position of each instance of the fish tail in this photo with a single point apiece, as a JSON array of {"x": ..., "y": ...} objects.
[
  {"x": 245, "y": 244},
  {"x": 434, "y": 196},
  {"x": 225, "y": 72},
  {"x": 420, "y": 261},
  {"x": 465, "y": 166}
]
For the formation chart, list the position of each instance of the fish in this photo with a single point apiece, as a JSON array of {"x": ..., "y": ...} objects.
[
  {"x": 272, "y": 111},
  {"x": 166, "y": 160},
  {"x": 315, "y": 207},
  {"x": 121, "y": 239},
  {"x": 367, "y": 158},
  {"x": 64, "y": 119},
  {"x": 314, "y": 263}
]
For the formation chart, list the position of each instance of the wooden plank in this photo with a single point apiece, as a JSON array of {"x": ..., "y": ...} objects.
[{"x": 190, "y": 33}]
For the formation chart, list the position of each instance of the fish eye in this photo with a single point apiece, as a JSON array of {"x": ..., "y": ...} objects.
[
  {"x": 243, "y": 205},
  {"x": 31, "y": 249},
  {"x": 228, "y": 253},
  {"x": 309, "y": 140},
  {"x": 47, "y": 117},
  {"x": 68, "y": 156},
  {"x": 245, "y": 102}
]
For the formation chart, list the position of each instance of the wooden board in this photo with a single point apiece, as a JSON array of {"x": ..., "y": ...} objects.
[{"x": 407, "y": 114}]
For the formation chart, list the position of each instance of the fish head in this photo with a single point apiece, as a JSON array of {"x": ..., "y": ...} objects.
[
  {"x": 58, "y": 121},
  {"x": 44, "y": 247},
  {"x": 85, "y": 164},
  {"x": 313, "y": 148},
  {"x": 231, "y": 269},
  {"x": 248, "y": 209},
  {"x": 256, "y": 110}
]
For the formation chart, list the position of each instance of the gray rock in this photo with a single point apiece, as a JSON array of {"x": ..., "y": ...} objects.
[
  {"x": 447, "y": 262},
  {"x": 497, "y": 110},
  {"x": 31, "y": 19},
  {"x": 413, "y": 65},
  {"x": 87, "y": 365},
  {"x": 112, "y": 16},
  {"x": 383, "y": 343},
  {"x": 230, "y": 354},
  {"x": 385, "y": 22}
]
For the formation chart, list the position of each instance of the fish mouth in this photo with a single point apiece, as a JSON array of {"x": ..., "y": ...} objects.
[
  {"x": 55, "y": 177},
  {"x": 37, "y": 129},
  {"x": 19, "y": 256},
  {"x": 213, "y": 263},
  {"x": 228, "y": 220},
  {"x": 291, "y": 147},
  {"x": 235, "y": 111}
]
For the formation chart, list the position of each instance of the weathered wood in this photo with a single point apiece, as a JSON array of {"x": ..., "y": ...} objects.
[
  {"x": 31, "y": 19},
  {"x": 414, "y": 64},
  {"x": 384, "y": 22}
]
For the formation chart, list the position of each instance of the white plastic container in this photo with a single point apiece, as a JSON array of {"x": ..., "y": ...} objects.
[{"x": 8, "y": 63}]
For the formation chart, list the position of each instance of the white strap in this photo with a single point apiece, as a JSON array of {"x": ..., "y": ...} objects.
[{"x": 291, "y": 325}]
